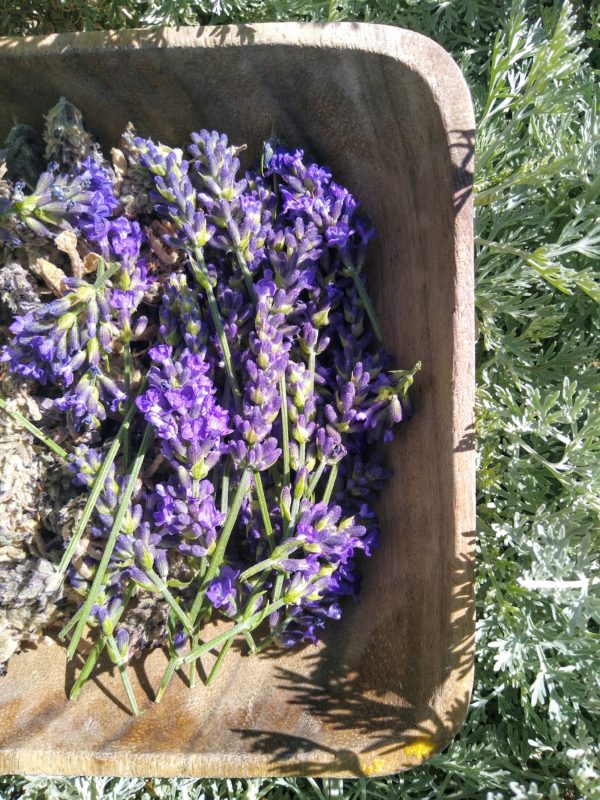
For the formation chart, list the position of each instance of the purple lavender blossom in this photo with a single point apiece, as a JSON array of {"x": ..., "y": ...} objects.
[
  {"x": 180, "y": 317},
  {"x": 264, "y": 365},
  {"x": 91, "y": 217},
  {"x": 179, "y": 200},
  {"x": 83, "y": 201},
  {"x": 180, "y": 404},
  {"x": 191, "y": 517},
  {"x": 241, "y": 217},
  {"x": 278, "y": 259},
  {"x": 223, "y": 590},
  {"x": 308, "y": 191}
]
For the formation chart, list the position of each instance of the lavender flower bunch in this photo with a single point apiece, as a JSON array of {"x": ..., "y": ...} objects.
[{"x": 217, "y": 367}]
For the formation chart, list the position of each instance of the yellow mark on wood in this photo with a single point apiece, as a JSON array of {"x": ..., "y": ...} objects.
[
  {"x": 414, "y": 753},
  {"x": 420, "y": 749},
  {"x": 374, "y": 767}
]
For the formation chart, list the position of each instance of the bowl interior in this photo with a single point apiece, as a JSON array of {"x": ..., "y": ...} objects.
[{"x": 392, "y": 681}]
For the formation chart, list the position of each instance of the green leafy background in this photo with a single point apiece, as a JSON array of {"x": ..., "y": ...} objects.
[{"x": 534, "y": 724}]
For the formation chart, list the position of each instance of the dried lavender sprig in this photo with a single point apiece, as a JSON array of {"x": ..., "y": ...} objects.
[
  {"x": 96, "y": 651},
  {"x": 215, "y": 564},
  {"x": 173, "y": 184},
  {"x": 219, "y": 553},
  {"x": 34, "y": 430},
  {"x": 112, "y": 539}
]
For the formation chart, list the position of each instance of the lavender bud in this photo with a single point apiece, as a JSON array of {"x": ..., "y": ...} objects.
[
  {"x": 93, "y": 352},
  {"x": 179, "y": 642},
  {"x": 107, "y": 624},
  {"x": 105, "y": 336},
  {"x": 122, "y": 642},
  {"x": 140, "y": 326},
  {"x": 286, "y": 502},
  {"x": 309, "y": 336},
  {"x": 300, "y": 483},
  {"x": 161, "y": 564}
]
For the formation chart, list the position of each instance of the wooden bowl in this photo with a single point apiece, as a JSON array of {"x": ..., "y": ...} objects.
[{"x": 389, "y": 112}]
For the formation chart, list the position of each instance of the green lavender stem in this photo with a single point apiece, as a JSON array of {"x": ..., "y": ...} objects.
[
  {"x": 104, "y": 275},
  {"x": 69, "y": 625},
  {"x": 246, "y": 275},
  {"x": 330, "y": 483},
  {"x": 99, "y": 646},
  {"x": 112, "y": 539},
  {"x": 285, "y": 431},
  {"x": 97, "y": 486},
  {"x": 281, "y": 551},
  {"x": 214, "y": 566},
  {"x": 264, "y": 510},
  {"x": 127, "y": 373},
  {"x": 311, "y": 368},
  {"x": 246, "y": 615},
  {"x": 122, "y": 667},
  {"x": 261, "y": 566},
  {"x": 170, "y": 600},
  {"x": 166, "y": 678},
  {"x": 34, "y": 430},
  {"x": 87, "y": 668},
  {"x": 217, "y": 665},
  {"x": 225, "y": 487},
  {"x": 230, "y": 633},
  {"x": 219, "y": 553},
  {"x": 315, "y": 479}
]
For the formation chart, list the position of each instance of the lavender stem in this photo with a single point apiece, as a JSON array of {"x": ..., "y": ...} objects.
[
  {"x": 35, "y": 431},
  {"x": 112, "y": 539}
]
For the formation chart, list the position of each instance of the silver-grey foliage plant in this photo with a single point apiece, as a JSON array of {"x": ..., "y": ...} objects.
[{"x": 534, "y": 724}]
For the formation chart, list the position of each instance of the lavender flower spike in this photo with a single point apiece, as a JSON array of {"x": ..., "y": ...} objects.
[{"x": 180, "y": 404}]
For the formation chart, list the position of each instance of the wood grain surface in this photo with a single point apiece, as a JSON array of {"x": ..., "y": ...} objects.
[{"x": 389, "y": 112}]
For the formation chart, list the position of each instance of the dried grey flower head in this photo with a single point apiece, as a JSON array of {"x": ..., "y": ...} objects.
[
  {"x": 24, "y": 154},
  {"x": 68, "y": 516},
  {"x": 62, "y": 505},
  {"x": 29, "y": 601},
  {"x": 19, "y": 292},
  {"x": 67, "y": 141},
  {"x": 31, "y": 488},
  {"x": 134, "y": 183},
  {"x": 21, "y": 471},
  {"x": 146, "y": 624}
]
